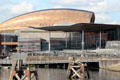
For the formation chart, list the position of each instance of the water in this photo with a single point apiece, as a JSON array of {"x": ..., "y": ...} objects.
[
  {"x": 4, "y": 74},
  {"x": 61, "y": 74},
  {"x": 104, "y": 75}
]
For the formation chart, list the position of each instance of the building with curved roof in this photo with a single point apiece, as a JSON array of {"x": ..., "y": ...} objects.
[
  {"x": 48, "y": 17},
  {"x": 59, "y": 29},
  {"x": 44, "y": 18}
]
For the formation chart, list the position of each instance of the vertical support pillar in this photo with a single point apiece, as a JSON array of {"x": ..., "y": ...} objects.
[
  {"x": 18, "y": 48},
  {"x": 66, "y": 41},
  {"x": 4, "y": 44},
  {"x": 118, "y": 33},
  {"x": 82, "y": 39},
  {"x": 100, "y": 40},
  {"x": 19, "y": 64},
  {"x": 70, "y": 40},
  {"x": 49, "y": 45}
]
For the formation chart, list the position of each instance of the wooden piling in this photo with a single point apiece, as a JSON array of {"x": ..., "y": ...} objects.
[
  {"x": 20, "y": 73},
  {"x": 13, "y": 69},
  {"x": 77, "y": 71}
]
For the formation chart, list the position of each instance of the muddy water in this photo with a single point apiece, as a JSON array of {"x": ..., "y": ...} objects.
[
  {"x": 104, "y": 75},
  {"x": 4, "y": 74},
  {"x": 60, "y": 74}
]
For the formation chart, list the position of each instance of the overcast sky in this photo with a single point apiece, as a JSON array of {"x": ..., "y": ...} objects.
[{"x": 106, "y": 11}]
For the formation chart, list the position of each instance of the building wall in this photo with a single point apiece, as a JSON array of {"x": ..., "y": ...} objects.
[
  {"x": 47, "y": 18},
  {"x": 35, "y": 33}
]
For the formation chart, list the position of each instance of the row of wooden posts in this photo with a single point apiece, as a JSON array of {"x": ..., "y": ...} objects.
[
  {"x": 18, "y": 73},
  {"x": 76, "y": 71}
]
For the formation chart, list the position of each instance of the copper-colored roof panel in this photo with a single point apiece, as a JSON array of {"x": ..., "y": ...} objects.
[{"x": 47, "y": 17}]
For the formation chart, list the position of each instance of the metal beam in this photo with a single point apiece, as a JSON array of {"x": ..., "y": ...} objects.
[
  {"x": 49, "y": 45},
  {"x": 82, "y": 39},
  {"x": 4, "y": 44},
  {"x": 100, "y": 40},
  {"x": 66, "y": 41}
]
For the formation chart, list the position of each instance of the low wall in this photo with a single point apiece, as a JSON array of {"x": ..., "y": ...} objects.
[{"x": 106, "y": 64}]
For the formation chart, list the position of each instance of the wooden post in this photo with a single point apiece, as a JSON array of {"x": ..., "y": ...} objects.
[
  {"x": 15, "y": 72},
  {"x": 13, "y": 69},
  {"x": 19, "y": 64},
  {"x": 28, "y": 74}
]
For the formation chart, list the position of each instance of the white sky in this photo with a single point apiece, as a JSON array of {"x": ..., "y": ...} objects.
[{"x": 106, "y": 11}]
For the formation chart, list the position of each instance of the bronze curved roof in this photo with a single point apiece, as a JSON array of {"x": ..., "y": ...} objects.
[{"x": 48, "y": 17}]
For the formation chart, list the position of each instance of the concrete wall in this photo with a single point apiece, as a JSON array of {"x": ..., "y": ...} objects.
[
  {"x": 108, "y": 63},
  {"x": 34, "y": 33}
]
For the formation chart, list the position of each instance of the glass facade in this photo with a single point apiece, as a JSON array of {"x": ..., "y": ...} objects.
[
  {"x": 70, "y": 40},
  {"x": 92, "y": 40},
  {"x": 8, "y": 43},
  {"x": 9, "y": 37},
  {"x": 95, "y": 40},
  {"x": 39, "y": 41},
  {"x": 75, "y": 40},
  {"x": 57, "y": 43}
]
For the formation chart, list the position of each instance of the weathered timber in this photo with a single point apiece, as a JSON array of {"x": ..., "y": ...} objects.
[
  {"x": 77, "y": 71},
  {"x": 17, "y": 72}
]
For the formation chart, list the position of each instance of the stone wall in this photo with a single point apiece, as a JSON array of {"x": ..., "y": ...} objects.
[
  {"x": 113, "y": 45},
  {"x": 107, "y": 63}
]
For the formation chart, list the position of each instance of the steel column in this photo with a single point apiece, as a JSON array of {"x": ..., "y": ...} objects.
[
  {"x": 100, "y": 40},
  {"x": 82, "y": 39},
  {"x": 4, "y": 44},
  {"x": 49, "y": 45},
  {"x": 66, "y": 41}
]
